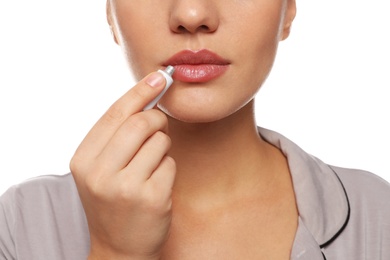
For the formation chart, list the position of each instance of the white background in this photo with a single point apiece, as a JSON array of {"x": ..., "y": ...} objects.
[{"x": 60, "y": 70}]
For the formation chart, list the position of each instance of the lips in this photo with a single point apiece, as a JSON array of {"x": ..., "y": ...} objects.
[{"x": 197, "y": 66}]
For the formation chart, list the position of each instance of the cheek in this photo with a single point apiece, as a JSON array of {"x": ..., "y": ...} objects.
[
  {"x": 258, "y": 61},
  {"x": 139, "y": 34},
  {"x": 258, "y": 42},
  {"x": 137, "y": 52},
  {"x": 137, "y": 57}
]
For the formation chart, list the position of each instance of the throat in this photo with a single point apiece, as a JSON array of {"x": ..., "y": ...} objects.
[
  {"x": 215, "y": 159},
  {"x": 224, "y": 165}
]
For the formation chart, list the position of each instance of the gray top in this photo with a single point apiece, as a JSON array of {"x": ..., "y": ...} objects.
[{"x": 343, "y": 214}]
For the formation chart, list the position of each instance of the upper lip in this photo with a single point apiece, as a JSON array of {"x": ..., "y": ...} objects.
[{"x": 191, "y": 57}]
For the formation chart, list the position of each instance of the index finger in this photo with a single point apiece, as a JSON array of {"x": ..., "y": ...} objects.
[{"x": 130, "y": 103}]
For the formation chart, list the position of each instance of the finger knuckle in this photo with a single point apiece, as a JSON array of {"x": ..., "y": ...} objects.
[
  {"x": 128, "y": 193},
  {"x": 114, "y": 114},
  {"x": 155, "y": 203},
  {"x": 74, "y": 165},
  {"x": 137, "y": 93},
  {"x": 163, "y": 119},
  {"x": 93, "y": 186},
  {"x": 162, "y": 139},
  {"x": 170, "y": 164},
  {"x": 140, "y": 123},
  {"x": 157, "y": 199},
  {"x": 77, "y": 165}
]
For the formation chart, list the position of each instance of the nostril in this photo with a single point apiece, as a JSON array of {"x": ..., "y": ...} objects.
[
  {"x": 184, "y": 29},
  {"x": 181, "y": 29},
  {"x": 203, "y": 28}
]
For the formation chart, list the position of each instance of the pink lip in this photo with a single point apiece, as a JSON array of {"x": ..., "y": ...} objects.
[{"x": 197, "y": 66}]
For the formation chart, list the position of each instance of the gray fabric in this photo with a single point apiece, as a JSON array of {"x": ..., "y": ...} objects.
[
  {"x": 43, "y": 218},
  {"x": 343, "y": 213}
]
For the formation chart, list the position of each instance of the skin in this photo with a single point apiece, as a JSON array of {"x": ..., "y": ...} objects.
[{"x": 209, "y": 187}]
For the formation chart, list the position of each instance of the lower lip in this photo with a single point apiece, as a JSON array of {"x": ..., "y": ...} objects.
[{"x": 198, "y": 73}]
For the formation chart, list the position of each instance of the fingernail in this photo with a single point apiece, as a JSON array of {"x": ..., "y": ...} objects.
[{"x": 155, "y": 79}]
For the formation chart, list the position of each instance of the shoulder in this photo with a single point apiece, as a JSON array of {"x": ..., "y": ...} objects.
[
  {"x": 367, "y": 231},
  {"x": 365, "y": 189},
  {"x": 41, "y": 192},
  {"x": 42, "y": 196},
  {"x": 38, "y": 210},
  {"x": 36, "y": 190},
  {"x": 40, "y": 183},
  {"x": 368, "y": 196},
  {"x": 44, "y": 186}
]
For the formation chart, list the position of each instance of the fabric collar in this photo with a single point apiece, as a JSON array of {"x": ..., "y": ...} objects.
[{"x": 321, "y": 199}]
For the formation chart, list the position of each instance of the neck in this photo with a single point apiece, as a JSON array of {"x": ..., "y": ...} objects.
[{"x": 221, "y": 159}]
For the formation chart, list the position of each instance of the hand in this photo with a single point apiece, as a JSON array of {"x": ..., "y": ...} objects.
[{"x": 124, "y": 177}]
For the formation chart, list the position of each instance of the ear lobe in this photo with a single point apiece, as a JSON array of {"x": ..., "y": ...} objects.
[
  {"x": 113, "y": 34},
  {"x": 290, "y": 12},
  {"x": 110, "y": 21}
]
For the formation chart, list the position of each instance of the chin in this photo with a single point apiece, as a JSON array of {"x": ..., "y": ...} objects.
[
  {"x": 188, "y": 115},
  {"x": 195, "y": 113},
  {"x": 203, "y": 104}
]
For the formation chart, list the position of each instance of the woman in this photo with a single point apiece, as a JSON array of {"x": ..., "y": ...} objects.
[{"x": 195, "y": 178}]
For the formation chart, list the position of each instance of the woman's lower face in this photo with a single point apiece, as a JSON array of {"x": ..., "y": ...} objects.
[{"x": 222, "y": 50}]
